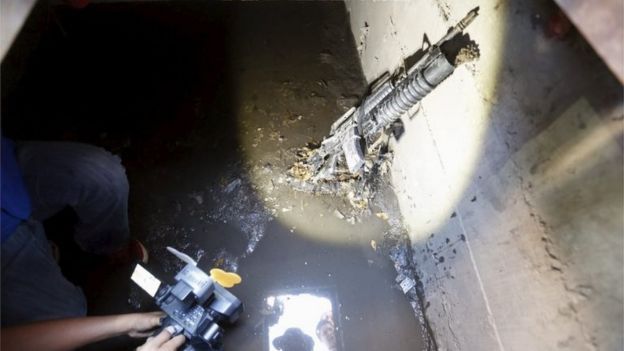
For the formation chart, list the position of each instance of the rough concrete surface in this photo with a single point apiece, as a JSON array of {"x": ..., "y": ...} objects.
[
  {"x": 602, "y": 23},
  {"x": 509, "y": 178}
]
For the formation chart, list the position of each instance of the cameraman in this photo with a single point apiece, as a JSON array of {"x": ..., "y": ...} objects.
[
  {"x": 72, "y": 333},
  {"x": 40, "y": 307},
  {"x": 39, "y": 179}
]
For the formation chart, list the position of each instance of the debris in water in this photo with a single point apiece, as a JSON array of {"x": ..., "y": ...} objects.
[
  {"x": 382, "y": 215},
  {"x": 357, "y": 201},
  {"x": 339, "y": 214},
  {"x": 233, "y": 185},
  {"x": 398, "y": 247},
  {"x": 225, "y": 261},
  {"x": 373, "y": 244},
  {"x": 407, "y": 284}
]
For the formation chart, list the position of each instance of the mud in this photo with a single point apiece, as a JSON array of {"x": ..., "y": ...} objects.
[{"x": 467, "y": 54}]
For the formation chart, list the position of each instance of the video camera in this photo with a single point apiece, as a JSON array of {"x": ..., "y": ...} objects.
[{"x": 196, "y": 305}]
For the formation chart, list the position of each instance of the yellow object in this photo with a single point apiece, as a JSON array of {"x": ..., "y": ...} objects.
[
  {"x": 225, "y": 279},
  {"x": 382, "y": 215}
]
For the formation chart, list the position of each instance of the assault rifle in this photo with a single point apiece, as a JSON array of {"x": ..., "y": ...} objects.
[{"x": 343, "y": 153}]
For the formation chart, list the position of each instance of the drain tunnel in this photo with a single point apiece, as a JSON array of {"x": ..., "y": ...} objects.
[{"x": 493, "y": 223}]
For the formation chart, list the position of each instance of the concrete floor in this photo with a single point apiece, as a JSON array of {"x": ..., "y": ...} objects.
[
  {"x": 205, "y": 103},
  {"x": 510, "y": 176}
]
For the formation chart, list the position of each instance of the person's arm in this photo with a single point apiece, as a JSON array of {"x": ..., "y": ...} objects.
[
  {"x": 72, "y": 333},
  {"x": 163, "y": 341}
]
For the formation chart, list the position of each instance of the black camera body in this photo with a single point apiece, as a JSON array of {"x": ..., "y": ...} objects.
[{"x": 197, "y": 306}]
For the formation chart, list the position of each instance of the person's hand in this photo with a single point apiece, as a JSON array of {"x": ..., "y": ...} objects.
[
  {"x": 163, "y": 342},
  {"x": 139, "y": 325}
]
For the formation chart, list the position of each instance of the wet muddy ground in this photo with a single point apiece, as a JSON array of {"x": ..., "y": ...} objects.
[{"x": 205, "y": 104}]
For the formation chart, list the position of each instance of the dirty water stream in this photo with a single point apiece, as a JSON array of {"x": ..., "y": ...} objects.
[{"x": 205, "y": 103}]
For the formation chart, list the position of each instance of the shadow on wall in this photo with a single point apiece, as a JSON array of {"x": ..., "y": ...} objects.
[{"x": 532, "y": 253}]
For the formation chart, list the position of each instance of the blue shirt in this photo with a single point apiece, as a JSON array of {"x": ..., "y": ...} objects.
[{"x": 14, "y": 197}]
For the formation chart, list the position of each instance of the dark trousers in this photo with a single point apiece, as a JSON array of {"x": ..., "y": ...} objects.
[{"x": 58, "y": 174}]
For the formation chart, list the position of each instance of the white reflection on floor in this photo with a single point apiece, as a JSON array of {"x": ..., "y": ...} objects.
[{"x": 300, "y": 322}]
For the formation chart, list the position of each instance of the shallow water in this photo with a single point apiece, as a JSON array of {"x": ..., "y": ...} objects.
[{"x": 205, "y": 103}]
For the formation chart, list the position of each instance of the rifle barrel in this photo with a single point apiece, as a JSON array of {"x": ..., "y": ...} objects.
[{"x": 460, "y": 26}]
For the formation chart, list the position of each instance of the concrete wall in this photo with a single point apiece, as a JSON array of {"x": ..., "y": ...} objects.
[
  {"x": 13, "y": 14},
  {"x": 510, "y": 178}
]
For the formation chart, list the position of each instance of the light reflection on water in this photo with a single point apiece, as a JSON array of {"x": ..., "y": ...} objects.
[{"x": 301, "y": 322}]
